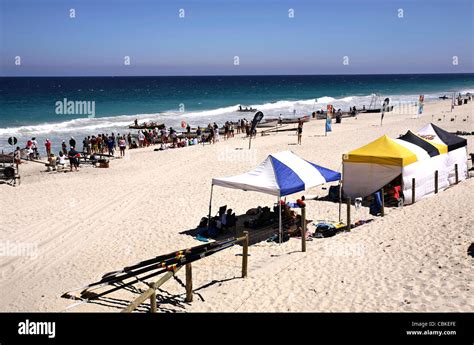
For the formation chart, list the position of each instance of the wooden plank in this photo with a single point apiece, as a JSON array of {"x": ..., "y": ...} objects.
[
  {"x": 139, "y": 300},
  {"x": 189, "y": 283},
  {"x": 147, "y": 294},
  {"x": 245, "y": 252},
  {"x": 153, "y": 298},
  {"x": 166, "y": 277}
]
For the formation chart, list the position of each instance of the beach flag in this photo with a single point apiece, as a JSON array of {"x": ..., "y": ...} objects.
[
  {"x": 329, "y": 118},
  {"x": 420, "y": 104},
  {"x": 328, "y": 124}
]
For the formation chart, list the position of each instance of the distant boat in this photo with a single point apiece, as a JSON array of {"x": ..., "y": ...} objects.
[
  {"x": 246, "y": 109},
  {"x": 321, "y": 115},
  {"x": 305, "y": 118},
  {"x": 6, "y": 158},
  {"x": 268, "y": 124},
  {"x": 374, "y": 102},
  {"x": 151, "y": 125}
]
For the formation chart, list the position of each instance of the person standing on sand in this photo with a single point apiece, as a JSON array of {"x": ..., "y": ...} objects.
[
  {"x": 216, "y": 132},
  {"x": 93, "y": 144},
  {"x": 212, "y": 134},
  {"x": 99, "y": 143},
  {"x": 17, "y": 156},
  {"x": 122, "y": 145},
  {"x": 141, "y": 138},
  {"x": 111, "y": 145},
  {"x": 300, "y": 130},
  {"x": 35, "y": 148},
  {"x": 84, "y": 145},
  {"x": 73, "y": 158},
  {"x": 47, "y": 144},
  {"x": 199, "y": 134},
  {"x": 64, "y": 147}
]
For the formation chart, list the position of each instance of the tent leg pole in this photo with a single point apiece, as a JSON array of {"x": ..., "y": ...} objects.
[
  {"x": 210, "y": 208},
  {"x": 340, "y": 200},
  {"x": 279, "y": 222}
]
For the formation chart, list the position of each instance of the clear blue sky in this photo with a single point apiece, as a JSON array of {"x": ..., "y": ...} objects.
[{"x": 205, "y": 42}]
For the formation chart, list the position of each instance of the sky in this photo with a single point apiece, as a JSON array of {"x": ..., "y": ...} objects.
[{"x": 323, "y": 37}]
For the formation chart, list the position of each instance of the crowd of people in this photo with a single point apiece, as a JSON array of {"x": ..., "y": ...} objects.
[
  {"x": 109, "y": 144},
  {"x": 210, "y": 134},
  {"x": 101, "y": 144}
]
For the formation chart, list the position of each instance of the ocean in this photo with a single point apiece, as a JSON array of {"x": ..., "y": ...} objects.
[{"x": 31, "y": 107}]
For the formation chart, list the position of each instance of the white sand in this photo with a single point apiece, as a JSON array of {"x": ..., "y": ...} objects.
[{"x": 98, "y": 220}]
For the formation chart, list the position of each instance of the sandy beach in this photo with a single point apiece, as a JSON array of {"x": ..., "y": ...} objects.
[{"x": 85, "y": 224}]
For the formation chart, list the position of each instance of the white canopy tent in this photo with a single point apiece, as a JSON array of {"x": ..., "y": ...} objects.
[{"x": 281, "y": 174}]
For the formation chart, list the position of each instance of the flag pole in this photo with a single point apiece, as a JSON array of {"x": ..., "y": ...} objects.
[{"x": 326, "y": 124}]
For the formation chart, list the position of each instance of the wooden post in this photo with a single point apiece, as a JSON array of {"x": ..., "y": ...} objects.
[
  {"x": 456, "y": 172},
  {"x": 413, "y": 190},
  {"x": 383, "y": 202},
  {"x": 245, "y": 252},
  {"x": 436, "y": 182},
  {"x": 189, "y": 283},
  {"x": 153, "y": 298},
  {"x": 348, "y": 225},
  {"x": 303, "y": 229}
]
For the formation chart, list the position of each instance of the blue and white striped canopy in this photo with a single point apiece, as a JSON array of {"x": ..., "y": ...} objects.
[{"x": 281, "y": 174}]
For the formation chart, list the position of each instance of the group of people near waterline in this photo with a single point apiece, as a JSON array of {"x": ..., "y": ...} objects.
[
  {"x": 171, "y": 138},
  {"x": 54, "y": 162},
  {"x": 105, "y": 144},
  {"x": 91, "y": 145}
]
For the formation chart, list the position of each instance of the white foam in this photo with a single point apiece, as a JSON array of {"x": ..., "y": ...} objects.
[{"x": 173, "y": 118}]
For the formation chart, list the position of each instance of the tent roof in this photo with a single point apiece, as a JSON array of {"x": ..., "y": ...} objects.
[
  {"x": 383, "y": 151},
  {"x": 437, "y": 135},
  {"x": 280, "y": 174},
  {"x": 410, "y": 137}
]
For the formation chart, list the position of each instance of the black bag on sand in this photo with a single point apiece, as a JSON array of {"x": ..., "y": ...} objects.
[{"x": 325, "y": 230}]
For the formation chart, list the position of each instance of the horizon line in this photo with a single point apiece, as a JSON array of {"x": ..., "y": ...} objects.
[{"x": 229, "y": 75}]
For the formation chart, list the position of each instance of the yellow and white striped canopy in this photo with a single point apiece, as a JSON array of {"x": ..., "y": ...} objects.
[{"x": 407, "y": 149}]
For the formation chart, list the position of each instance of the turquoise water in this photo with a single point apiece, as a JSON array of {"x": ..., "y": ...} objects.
[{"x": 28, "y": 106}]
